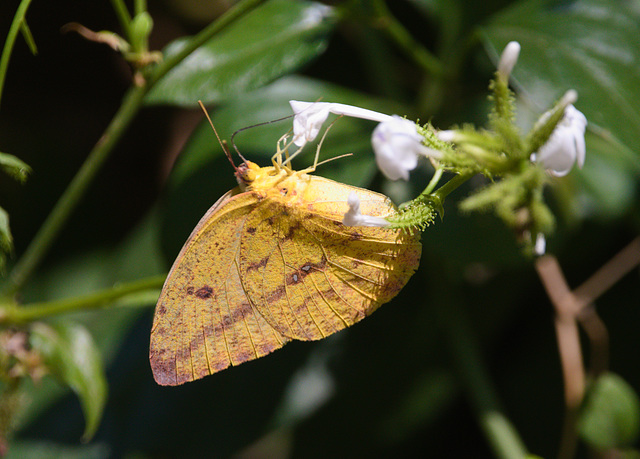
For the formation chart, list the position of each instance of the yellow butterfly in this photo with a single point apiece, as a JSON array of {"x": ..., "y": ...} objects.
[{"x": 271, "y": 261}]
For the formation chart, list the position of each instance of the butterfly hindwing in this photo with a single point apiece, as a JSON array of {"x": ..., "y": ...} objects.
[{"x": 308, "y": 274}]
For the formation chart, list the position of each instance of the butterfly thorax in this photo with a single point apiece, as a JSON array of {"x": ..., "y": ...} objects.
[{"x": 273, "y": 182}]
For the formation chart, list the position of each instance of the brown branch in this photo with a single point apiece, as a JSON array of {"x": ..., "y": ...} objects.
[
  {"x": 566, "y": 325},
  {"x": 573, "y": 307}
]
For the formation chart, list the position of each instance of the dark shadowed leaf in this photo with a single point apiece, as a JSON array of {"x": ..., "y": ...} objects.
[
  {"x": 70, "y": 354},
  {"x": 15, "y": 167}
]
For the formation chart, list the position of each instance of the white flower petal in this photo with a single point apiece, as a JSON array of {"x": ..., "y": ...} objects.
[
  {"x": 566, "y": 145},
  {"x": 310, "y": 116},
  {"x": 308, "y": 120},
  {"x": 358, "y": 112},
  {"x": 353, "y": 217},
  {"x": 447, "y": 135}
]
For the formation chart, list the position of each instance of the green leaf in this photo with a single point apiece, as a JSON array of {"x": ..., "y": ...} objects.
[
  {"x": 15, "y": 167},
  {"x": 135, "y": 257},
  {"x": 611, "y": 415},
  {"x": 70, "y": 354},
  {"x": 271, "y": 41}
]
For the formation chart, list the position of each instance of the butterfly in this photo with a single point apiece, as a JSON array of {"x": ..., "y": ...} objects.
[{"x": 270, "y": 262}]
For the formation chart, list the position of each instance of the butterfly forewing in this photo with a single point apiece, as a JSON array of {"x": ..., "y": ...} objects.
[{"x": 204, "y": 321}]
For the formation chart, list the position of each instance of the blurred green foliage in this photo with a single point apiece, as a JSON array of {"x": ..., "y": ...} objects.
[{"x": 386, "y": 387}]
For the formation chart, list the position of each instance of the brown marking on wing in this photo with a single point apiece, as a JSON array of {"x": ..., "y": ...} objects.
[
  {"x": 276, "y": 294},
  {"x": 204, "y": 292},
  {"x": 258, "y": 265}
]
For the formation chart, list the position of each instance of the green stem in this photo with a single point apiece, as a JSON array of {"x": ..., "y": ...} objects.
[
  {"x": 500, "y": 433},
  {"x": 437, "y": 198},
  {"x": 139, "y": 6},
  {"x": 399, "y": 34},
  {"x": 11, "y": 39},
  {"x": 451, "y": 185},
  {"x": 131, "y": 105},
  {"x": 19, "y": 315},
  {"x": 437, "y": 175},
  {"x": 123, "y": 16}
]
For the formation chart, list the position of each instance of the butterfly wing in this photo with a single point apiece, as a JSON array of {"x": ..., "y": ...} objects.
[
  {"x": 308, "y": 274},
  {"x": 204, "y": 321}
]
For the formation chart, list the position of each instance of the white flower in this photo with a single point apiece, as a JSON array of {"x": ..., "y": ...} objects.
[
  {"x": 309, "y": 117},
  {"x": 396, "y": 141},
  {"x": 397, "y": 145},
  {"x": 508, "y": 59},
  {"x": 353, "y": 217},
  {"x": 565, "y": 145}
]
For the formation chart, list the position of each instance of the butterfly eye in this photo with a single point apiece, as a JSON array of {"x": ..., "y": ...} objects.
[{"x": 249, "y": 176}]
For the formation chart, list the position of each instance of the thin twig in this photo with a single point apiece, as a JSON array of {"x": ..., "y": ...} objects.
[
  {"x": 610, "y": 273},
  {"x": 566, "y": 328}
]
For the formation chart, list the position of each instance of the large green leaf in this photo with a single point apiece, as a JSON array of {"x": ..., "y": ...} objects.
[
  {"x": 70, "y": 354},
  {"x": 271, "y": 41},
  {"x": 592, "y": 46}
]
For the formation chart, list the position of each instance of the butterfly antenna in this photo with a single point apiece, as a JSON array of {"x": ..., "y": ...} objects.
[
  {"x": 252, "y": 126},
  {"x": 222, "y": 143}
]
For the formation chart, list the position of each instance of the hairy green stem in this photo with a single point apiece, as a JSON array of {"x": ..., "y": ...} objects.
[
  {"x": 131, "y": 105},
  {"x": 500, "y": 433},
  {"x": 18, "y": 20},
  {"x": 19, "y": 315}
]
